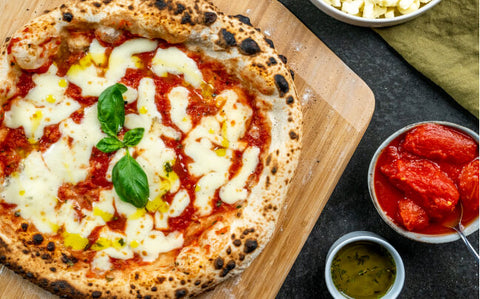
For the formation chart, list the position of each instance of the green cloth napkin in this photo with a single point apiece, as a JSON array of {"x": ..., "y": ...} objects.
[{"x": 443, "y": 45}]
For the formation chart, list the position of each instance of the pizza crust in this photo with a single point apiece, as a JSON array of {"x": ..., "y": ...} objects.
[{"x": 245, "y": 51}]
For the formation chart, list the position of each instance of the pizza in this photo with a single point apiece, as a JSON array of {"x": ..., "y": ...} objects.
[{"x": 146, "y": 147}]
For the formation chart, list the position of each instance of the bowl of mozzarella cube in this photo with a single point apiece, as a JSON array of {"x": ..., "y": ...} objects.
[{"x": 374, "y": 13}]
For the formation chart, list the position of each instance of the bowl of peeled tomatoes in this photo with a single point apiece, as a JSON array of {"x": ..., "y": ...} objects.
[{"x": 422, "y": 176}]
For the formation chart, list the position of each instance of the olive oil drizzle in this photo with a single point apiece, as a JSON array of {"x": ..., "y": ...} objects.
[{"x": 363, "y": 270}]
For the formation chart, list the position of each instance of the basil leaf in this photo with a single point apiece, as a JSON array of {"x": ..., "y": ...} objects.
[
  {"x": 133, "y": 136},
  {"x": 109, "y": 144},
  {"x": 130, "y": 181},
  {"x": 111, "y": 109}
]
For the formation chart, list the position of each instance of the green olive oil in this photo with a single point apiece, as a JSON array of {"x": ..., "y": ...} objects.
[{"x": 363, "y": 270}]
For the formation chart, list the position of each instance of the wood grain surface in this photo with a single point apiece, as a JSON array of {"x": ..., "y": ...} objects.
[{"x": 337, "y": 107}]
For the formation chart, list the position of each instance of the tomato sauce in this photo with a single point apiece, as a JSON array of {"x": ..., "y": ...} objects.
[
  {"x": 13, "y": 149},
  {"x": 420, "y": 190}
]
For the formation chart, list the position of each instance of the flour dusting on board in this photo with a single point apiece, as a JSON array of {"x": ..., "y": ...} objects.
[
  {"x": 307, "y": 96},
  {"x": 229, "y": 293}
]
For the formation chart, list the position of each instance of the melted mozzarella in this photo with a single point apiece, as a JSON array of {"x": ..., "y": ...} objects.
[
  {"x": 234, "y": 116},
  {"x": 180, "y": 202},
  {"x": 88, "y": 76},
  {"x": 174, "y": 61},
  {"x": 179, "y": 100},
  {"x": 44, "y": 105},
  {"x": 235, "y": 190},
  {"x": 152, "y": 152},
  {"x": 34, "y": 192},
  {"x": 68, "y": 160}
]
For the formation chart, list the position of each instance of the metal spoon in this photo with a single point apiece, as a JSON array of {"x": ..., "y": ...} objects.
[{"x": 458, "y": 227}]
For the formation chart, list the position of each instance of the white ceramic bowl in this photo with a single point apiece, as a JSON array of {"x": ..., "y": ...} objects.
[
  {"x": 371, "y": 237},
  {"x": 443, "y": 238},
  {"x": 364, "y": 22}
]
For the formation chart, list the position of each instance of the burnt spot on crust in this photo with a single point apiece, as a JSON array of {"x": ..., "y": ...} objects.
[
  {"x": 249, "y": 47},
  {"x": 218, "y": 263},
  {"x": 243, "y": 19},
  {"x": 37, "y": 239},
  {"x": 268, "y": 160},
  {"x": 180, "y": 293},
  {"x": 229, "y": 250},
  {"x": 250, "y": 245},
  {"x": 160, "y": 4},
  {"x": 270, "y": 43},
  {"x": 67, "y": 17},
  {"x": 290, "y": 100},
  {"x": 274, "y": 170},
  {"x": 237, "y": 242},
  {"x": 186, "y": 19},
  {"x": 229, "y": 267},
  {"x": 69, "y": 260},
  {"x": 96, "y": 294},
  {"x": 282, "y": 84},
  {"x": 63, "y": 287},
  {"x": 227, "y": 39},
  {"x": 97, "y": 4},
  {"x": 271, "y": 61},
  {"x": 51, "y": 246},
  {"x": 283, "y": 58},
  {"x": 180, "y": 9},
  {"x": 293, "y": 135},
  {"x": 24, "y": 226},
  {"x": 154, "y": 289},
  {"x": 160, "y": 280},
  {"x": 292, "y": 73},
  {"x": 209, "y": 18}
]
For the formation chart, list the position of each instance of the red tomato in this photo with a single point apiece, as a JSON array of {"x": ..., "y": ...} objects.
[
  {"x": 468, "y": 185},
  {"x": 438, "y": 142},
  {"x": 424, "y": 180},
  {"x": 413, "y": 216}
]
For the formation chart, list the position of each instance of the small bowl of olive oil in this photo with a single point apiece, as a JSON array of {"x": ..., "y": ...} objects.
[{"x": 363, "y": 265}]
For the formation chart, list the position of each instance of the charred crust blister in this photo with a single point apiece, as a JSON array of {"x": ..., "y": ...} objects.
[
  {"x": 270, "y": 43},
  {"x": 180, "y": 293},
  {"x": 218, "y": 263},
  {"x": 209, "y": 18},
  {"x": 227, "y": 39},
  {"x": 282, "y": 84},
  {"x": 293, "y": 135},
  {"x": 249, "y": 47},
  {"x": 180, "y": 9},
  {"x": 160, "y": 4},
  {"x": 290, "y": 100},
  {"x": 37, "y": 239},
  {"x": 243, "y": 19},
  {"x": 283, "y": 58},
  {"x": 51, "y": 246},
  {"x": 271, "y": 61},
  {"x": 250, "y": 245},
  {"x": 67, "y": 17}
]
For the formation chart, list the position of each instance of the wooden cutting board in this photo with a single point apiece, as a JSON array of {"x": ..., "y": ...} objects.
[{"x": 337, "y": 107}]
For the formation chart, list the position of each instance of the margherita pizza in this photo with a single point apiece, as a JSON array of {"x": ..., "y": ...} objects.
[{"x": 146, "y": 147}]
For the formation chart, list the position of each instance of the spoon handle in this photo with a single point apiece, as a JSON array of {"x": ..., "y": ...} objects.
[{"x": 467, "y": 243}]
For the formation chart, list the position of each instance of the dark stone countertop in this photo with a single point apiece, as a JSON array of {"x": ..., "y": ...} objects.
[{"x": 402, "y": 96}]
